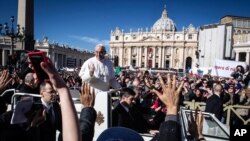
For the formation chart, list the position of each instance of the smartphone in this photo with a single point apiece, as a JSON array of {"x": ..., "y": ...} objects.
[{"x": 36, "y": 58}]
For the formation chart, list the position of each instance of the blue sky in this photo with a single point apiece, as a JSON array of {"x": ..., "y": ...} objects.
[{"x": 84, "y": 23}]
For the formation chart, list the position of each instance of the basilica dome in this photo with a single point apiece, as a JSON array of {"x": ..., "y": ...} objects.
[{"x": 164, "y": 23}]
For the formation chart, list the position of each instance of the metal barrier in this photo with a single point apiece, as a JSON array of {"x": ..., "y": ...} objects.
[
  {"x": 193, "y": 105},
  {"x": 6, "y": 92},
  {"x": 231, "y": 108},
  {"x": 14, "y": 98}
]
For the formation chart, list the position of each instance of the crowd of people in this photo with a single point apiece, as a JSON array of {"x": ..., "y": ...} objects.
[{"x": 147, "y": 102}]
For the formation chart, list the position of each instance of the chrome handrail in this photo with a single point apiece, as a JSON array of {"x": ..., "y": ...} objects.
[
  {"x": 6, "y": 92},
  {"x": 15, "y": 95}
]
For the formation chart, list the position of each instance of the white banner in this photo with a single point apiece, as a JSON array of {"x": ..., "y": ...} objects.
[{"x": 224, "y": 68}]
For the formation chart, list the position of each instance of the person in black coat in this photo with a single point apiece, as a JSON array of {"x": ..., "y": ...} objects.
[
  {"x": 214, "y": 103},
  {"x": 88, "y": 113},
  {"x": 129, "y": 115},
  {"x": 121, "y": 116},
  {"x": 29, "y": 85},
  {"x": 50, "y": 119}
]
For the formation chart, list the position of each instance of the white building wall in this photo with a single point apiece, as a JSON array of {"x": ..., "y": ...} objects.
[
  {"x": 212, "y": 44},
  {"x": 201, "y": 47},
  {"x": 229, "y": 34},
  {"x": 222, "y": 41}
]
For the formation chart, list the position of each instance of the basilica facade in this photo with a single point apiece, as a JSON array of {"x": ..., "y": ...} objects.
[{"x": 161, "y": 46}]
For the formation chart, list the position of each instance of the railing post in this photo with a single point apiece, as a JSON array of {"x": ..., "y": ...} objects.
[
  {"x": 229, "y": 107},
  {"x": 192, "y": 106}
]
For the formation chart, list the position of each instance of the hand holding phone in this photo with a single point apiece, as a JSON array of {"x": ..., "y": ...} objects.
[{"x": 36, "y": 58}]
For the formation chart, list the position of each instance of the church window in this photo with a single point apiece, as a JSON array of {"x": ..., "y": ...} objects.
[
  {"x": 168, "y": 36},
  {"x": 190, "y": 36},
  {"x": 116, "y": 37},
  {"x": 142, "y": 64}
]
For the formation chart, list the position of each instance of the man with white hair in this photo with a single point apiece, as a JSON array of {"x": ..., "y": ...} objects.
[{"x": 98, "y": 71}]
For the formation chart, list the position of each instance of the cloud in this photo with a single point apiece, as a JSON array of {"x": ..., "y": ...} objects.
[{"x": 91, "y": 40}]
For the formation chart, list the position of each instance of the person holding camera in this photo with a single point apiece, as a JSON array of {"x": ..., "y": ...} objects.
[{"x": 238, "y": 73}]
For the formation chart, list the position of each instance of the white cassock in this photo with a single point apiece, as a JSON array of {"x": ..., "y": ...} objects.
[{"x": 104, "y": 75}]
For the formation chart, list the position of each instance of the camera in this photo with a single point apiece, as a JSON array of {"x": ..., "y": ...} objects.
[{"x": 36, "y": 58}]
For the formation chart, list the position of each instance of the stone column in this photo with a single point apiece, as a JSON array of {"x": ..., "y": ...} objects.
[
  {"x": 140, "y": 56},
  {"x": 182, "y": 58},
  {"x": 129, "y": 56},
  {"x": 237, "y": 56},
  {"x": 146, "y": 57},
  {"x": 247, "y": 57},
  {"x": 120, "y": 56},
  {"x": 194, "y": 59},
  {"x": 137, "y": 56},
  {"x": 26, "y": 19},
  {"x": 4, "y": 56},
  {"x": 171, "y": 59},
  {"x": 111, "y": 52},
  {"x": 163, "y": 57},
  {"x": 185, "y": 55},
  {"x": 56, "y": 60},
  {"x": 153, "y": 61},
  {"x": 159, "y": 55}
]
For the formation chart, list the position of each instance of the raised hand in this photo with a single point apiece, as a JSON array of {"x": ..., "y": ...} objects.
[
  {"x": 195, "y": 125},
  {"x": 70, "y": 122},
  {"x": 5, "y": 80},
  {"x": 53, "y": 74},
  {"x": 170, "y": 96},
  {"x": 87, "y": 96},
  {"x": 91, "y": 69}
]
